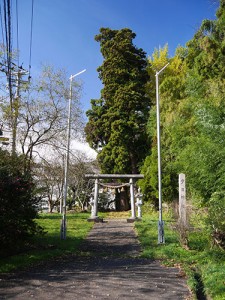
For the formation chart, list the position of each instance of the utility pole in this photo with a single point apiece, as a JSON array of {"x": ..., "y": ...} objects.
[
  {"x": 161, "y": 238},
  {"x": 15, "y": 106},
  {"x": 15, "y": 80}
]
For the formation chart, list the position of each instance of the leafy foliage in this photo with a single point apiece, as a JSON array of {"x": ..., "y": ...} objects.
[
  {"x": 117, "y": 120},
  {"x": 192, "y": 99},
  {"x": 17, "y": 199},
  {"x": 216, "y": 219},
  {"x": 172, "y": 91}
]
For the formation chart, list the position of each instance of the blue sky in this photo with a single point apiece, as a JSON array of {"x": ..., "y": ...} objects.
[{"x": 64, "y": 31}]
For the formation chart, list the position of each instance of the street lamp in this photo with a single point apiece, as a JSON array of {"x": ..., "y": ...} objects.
[
  {"x": 161, "y": 238},
  {"x": 63, "y": 223}
]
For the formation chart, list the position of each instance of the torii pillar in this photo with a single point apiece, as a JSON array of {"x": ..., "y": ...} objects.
[
  {"x": 94, "y": 213},
  {"x": 132, "y": 204}
]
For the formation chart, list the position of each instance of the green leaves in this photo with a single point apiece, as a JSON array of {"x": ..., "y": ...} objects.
[
  {"x": 17, "y": 202},
  {"x": 192, "y": 97},
  {"x": 117, "y": 120}
]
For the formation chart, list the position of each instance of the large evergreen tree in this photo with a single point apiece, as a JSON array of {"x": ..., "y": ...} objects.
[{"x": 117, "y": 120}]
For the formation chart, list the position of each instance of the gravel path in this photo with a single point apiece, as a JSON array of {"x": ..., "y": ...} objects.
[{"x": 108, "y": 269}]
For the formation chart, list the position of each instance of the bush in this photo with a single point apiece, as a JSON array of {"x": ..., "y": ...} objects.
[
  {"x": 216, "y": 218},
  {"x": 17, "y": 202}
]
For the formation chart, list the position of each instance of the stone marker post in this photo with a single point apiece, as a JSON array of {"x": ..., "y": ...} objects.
[{"x": 182, "y": 200}]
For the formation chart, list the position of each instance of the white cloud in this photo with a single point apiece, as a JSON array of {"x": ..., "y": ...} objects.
[{"x": 83, "y": 147}]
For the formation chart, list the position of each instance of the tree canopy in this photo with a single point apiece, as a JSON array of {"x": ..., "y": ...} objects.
[
  {"x": 117, "y": 121},
  {"x": 192, "y": 100}
]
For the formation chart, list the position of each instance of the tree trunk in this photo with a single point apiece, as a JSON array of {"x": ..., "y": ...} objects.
[
  {"x": 134, "y": 168},
  {"x": 122, "y": 200}
]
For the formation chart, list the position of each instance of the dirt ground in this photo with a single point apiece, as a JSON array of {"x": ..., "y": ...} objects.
[{"x": 109, "y": 268}]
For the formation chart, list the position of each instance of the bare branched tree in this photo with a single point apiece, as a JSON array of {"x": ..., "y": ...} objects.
[{"x": 43, "y": 115}]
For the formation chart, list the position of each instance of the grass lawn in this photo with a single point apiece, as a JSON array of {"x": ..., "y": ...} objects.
[
  {"x": 203, "y": 264},
  {"x": 50, "y": 245}
]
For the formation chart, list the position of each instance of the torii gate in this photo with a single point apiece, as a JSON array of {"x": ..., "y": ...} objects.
[{"x": 131, "y": 177}]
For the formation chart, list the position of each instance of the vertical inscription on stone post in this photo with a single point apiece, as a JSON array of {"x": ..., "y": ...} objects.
[{"x": 182, "y": 200}]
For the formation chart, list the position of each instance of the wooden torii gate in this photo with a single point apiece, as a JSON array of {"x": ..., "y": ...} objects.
[{"x": 131, "y": 177}]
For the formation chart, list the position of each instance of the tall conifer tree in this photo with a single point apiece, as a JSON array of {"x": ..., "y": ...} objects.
[{"x": 117, "y": 120}]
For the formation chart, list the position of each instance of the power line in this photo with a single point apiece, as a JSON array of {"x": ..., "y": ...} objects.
[
  {"x": 5, "y": 24},
  {"x": 31, "y": 36},
  {"x": 17, "y": 33},
  {"x": 8, "y": 66},
  {"x": 3, "y": 36},
  {"x": 7, "y": 20}
]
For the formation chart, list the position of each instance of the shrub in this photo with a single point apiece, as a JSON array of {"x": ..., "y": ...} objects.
[
  {"x": 216, "y": 217},
  {"x": 17, "y": 202}
]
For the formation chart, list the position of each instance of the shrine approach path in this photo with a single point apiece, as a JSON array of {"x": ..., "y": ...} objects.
[{"x": 109, "y": 267}]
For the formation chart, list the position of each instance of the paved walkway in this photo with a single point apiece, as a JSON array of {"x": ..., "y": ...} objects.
[{"x": 108, "y": 269}]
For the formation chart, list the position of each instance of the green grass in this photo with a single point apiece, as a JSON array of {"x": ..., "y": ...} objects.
[
  {"x": 50, "y": 245},
  {"x": 203, "y": 265}
]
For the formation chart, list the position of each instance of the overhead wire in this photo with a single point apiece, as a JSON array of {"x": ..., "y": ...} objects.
[
  {"x": 5, "y": 24},
  {"x": 7, "y": 20},
  {"x": 17, "y": 34},
  {"x": 6, "y": 28},
  {"x": 3, "y": 36},
  {"x": 31, "y": 37}
]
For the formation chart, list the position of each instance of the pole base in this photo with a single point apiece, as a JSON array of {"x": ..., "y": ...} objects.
[
  {"x": 63, "y": 229},
  {"x": 131, "y": 220},
  {"x": 95, "y": 219},
  {"x": 161, "y": 237}
]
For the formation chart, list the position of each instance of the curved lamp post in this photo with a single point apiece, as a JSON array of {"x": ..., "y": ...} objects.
[
  {"x": 161, "y": 238},
  {"x": 63, "y": 223}
]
